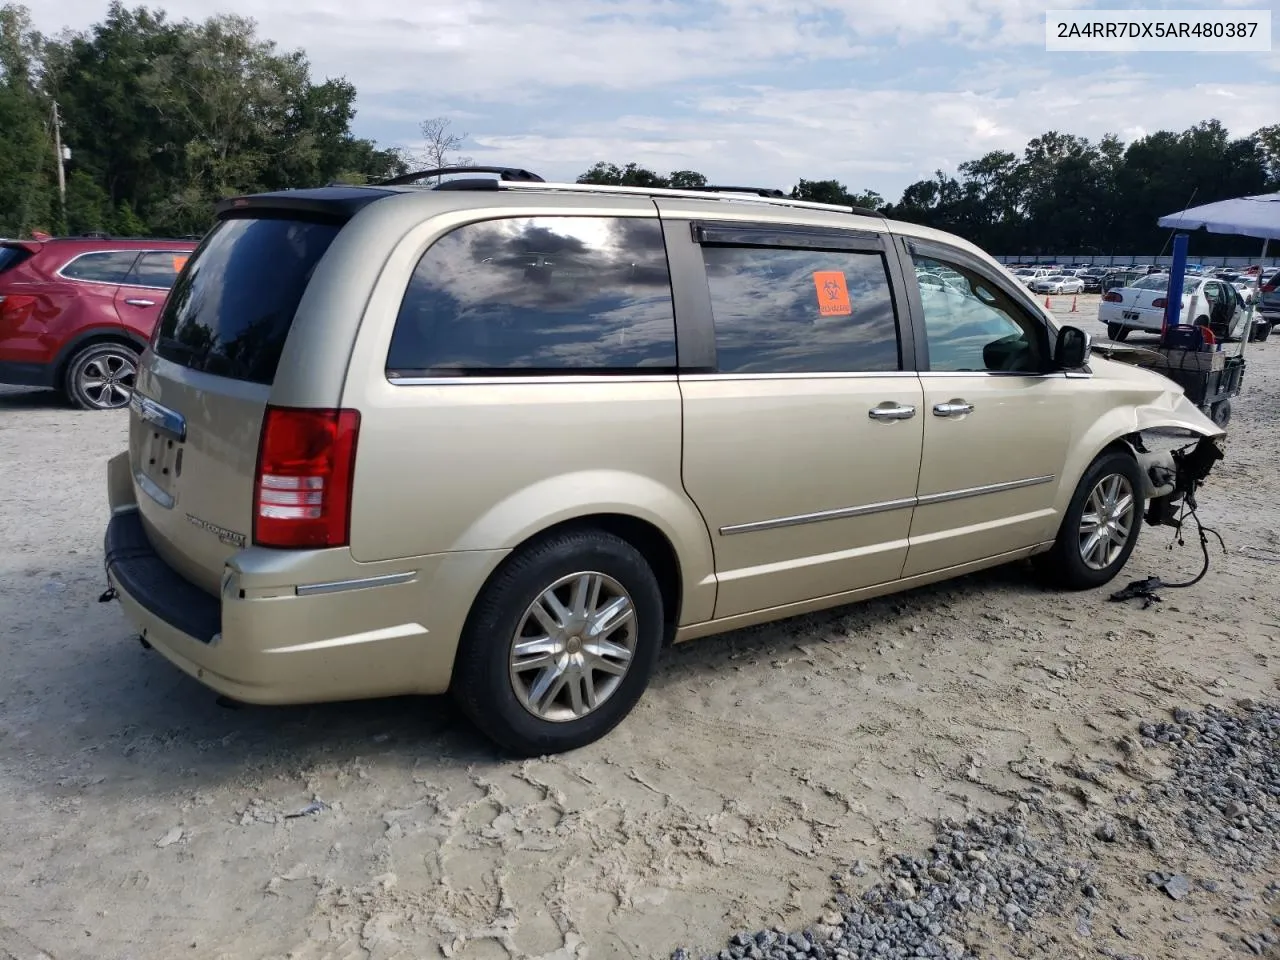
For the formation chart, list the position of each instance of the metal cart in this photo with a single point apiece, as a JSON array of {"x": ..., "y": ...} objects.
[{"x": 1210, "y": 379}]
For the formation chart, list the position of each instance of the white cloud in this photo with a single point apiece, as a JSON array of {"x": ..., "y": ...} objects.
[
  {"x": 875, "y": 139},
  {"x": 875, "y": 92}
]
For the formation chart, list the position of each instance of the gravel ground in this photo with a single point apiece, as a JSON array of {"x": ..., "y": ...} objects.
[{"x": 1033, "y": 774}]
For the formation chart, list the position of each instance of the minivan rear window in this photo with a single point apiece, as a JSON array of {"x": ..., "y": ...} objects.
[{"x": 231, "y": 309}]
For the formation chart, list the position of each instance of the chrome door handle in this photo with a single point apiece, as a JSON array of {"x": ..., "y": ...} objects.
[
  {"x": 891, "y": 411},
  {"x": 140, "y": 303},
  {"x": 955, "y": 408}
]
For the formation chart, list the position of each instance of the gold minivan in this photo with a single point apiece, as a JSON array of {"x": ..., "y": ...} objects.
[{"x": 507, "y": 438}]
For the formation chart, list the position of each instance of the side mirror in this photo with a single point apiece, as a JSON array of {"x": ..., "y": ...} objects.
[{"x": 1073, "y": 348}]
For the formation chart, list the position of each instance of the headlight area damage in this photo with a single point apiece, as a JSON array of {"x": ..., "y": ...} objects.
[{"x": 1173, "y": 477}]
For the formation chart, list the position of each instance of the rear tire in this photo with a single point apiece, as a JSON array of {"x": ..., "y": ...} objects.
[
  {"x": 1116, "y": 332},
  {"x": 538, "y": 700},
  {"x": 1100, "y": 528},
  {"x": 101, "y": 376},
  {"x": 1220, "y": 413}
]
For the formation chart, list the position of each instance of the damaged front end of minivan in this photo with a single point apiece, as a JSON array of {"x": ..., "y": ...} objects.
[
  {"x": 1173, "y": 473},
  {"x": 1173, "y": 476}
]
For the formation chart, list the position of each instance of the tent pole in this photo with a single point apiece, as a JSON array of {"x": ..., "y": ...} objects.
[{"x": 1248, "y": 322}]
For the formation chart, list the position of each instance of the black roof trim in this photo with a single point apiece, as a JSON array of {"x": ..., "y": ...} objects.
[
  {"x": 341, "y": 202},
  {"x": 468, "y": 183},
  {"x": 504, "y": 173}
]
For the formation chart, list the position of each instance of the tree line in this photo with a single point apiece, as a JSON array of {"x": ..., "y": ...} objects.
[
  {"x": 163, "y": 118},
  {"x": 1065, "y": 194}
]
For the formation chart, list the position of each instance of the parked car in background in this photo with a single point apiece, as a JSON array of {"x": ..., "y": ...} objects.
[
  {"x": 1120, "y": 278},
  {"x": 1247, "y": 287},
  {"x": 1141, "y": 306},
  {"x": 1029, "y": 275},
  {"x": 76, "y": 313},
  {"x": 1091, "y": 277},
  {"x": 1269, "y": 304},
  {"x": 332, "y": 535},
  {"x": 1057, "y": 283}
]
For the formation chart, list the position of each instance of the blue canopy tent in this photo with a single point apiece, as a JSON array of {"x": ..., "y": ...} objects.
[
  {"x": 1212, "y": 388},
  {"x": 1256, "y": 216}
]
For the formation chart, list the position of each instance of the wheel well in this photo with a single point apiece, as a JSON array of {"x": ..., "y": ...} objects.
[
  {"x": 72, "y": 349},
  {"x": 652, "y": 544},
  {"x": 1118, "y": 445}
]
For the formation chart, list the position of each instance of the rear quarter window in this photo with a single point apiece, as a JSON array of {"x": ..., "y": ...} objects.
[
  {"x": 538, "y": 295},
  {"x": 100, "y": 267},
  {"x": 230, "y": 312}
]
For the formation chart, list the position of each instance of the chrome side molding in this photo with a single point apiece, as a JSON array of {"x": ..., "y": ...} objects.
[{"x": 843, "y": 513}]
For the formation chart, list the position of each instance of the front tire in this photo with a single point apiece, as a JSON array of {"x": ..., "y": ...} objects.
[
  {"x": 101, "y": 376},
  {"x": 561, "y": 643},
  {"x": 1100, "y": 528}
]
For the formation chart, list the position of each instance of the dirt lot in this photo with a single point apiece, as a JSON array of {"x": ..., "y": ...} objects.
[{"x": 141, "y": 820}]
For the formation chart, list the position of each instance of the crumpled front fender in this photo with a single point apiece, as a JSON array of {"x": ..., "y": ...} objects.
[{"x": 1174, "y": 411}]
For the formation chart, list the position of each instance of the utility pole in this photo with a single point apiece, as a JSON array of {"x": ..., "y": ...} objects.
[{"x": 61, "y": 161}]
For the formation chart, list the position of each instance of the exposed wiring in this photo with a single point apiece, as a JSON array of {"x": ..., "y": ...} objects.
[
  {"x": 1189, "y": 510},
  {"x": 1145, "y": 590}
]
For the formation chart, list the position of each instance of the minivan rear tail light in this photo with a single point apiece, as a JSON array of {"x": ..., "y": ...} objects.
[
  {"x": 1113, "y": 297},
  {"x": 306, "y": 467}
]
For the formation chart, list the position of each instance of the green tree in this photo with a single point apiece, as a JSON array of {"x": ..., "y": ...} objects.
[
  {"x": 687, "y": 179},
  {"x": 632, "y": 175},
  {"x": 835, "y": 192},
  {"x": 28, "y": 195},
  {"x": 166, "y": 118}
]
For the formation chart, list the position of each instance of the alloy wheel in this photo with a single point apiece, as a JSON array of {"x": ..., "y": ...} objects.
[
  {"x": 1107, "y": 521},
  {"x": 106, "y": 380},
  {"x": 573, "y": 646}
]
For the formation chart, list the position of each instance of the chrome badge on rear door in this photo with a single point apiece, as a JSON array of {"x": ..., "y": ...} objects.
[{"x": 229, "y": 537}]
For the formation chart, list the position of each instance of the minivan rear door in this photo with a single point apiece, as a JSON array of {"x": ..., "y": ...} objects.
[{"x": 203, "y": 389}]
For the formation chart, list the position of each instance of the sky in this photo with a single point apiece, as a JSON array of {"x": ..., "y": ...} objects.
[{"x": 874, "y": 93}]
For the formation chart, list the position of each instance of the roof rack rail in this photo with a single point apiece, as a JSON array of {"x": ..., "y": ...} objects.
[
  {"x": 767, "y": 192},
  {"x": 746, "y": 195},
  {"x": 504, "y": 173}
]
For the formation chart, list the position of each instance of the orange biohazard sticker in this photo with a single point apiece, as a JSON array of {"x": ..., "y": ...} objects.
[
  {"x": 833, "y": 293},
  {"x": 179, "y": 263}
]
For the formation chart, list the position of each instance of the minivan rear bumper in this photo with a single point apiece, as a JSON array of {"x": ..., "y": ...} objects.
[{"x": 301, "y": 634}]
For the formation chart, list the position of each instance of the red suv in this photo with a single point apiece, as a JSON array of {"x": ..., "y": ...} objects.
[{"x": 76, "y": 313}]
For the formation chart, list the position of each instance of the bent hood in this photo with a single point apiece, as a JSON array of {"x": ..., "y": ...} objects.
[{"x": 1160, "y": 403}]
